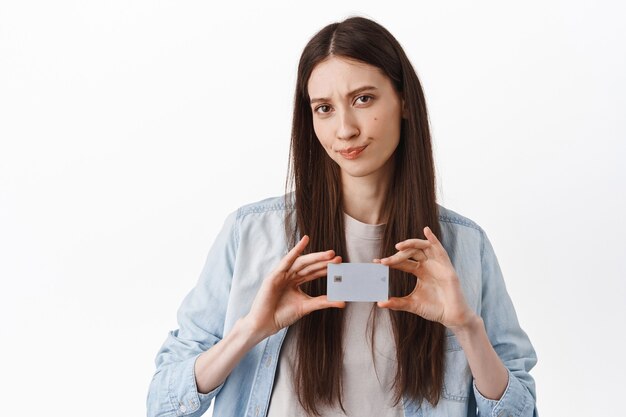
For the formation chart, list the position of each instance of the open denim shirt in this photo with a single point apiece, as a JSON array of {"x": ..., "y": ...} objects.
[{"x": 249, "y": 246}]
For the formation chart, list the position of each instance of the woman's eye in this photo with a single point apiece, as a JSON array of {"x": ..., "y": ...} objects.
[
  {"x": 364, "y": 99},
  {"x": 323, "y": 109}
]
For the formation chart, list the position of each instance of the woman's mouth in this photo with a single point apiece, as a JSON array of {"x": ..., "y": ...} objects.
[{"x": 352, "y": 153}]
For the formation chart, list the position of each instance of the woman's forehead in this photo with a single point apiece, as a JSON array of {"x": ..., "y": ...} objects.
[{"x": 339, "y": 75}]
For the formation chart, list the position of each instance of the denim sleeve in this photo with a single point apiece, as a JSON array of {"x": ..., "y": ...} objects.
[
  {"x": 509, "y": 341},
  {"x": 173, "y": 390}
]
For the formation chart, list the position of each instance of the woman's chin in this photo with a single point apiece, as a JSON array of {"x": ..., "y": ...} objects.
[{"x": 358, "y": 171}]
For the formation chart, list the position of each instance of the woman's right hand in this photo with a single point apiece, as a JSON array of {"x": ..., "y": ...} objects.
[{"x": 280, "y": 302}]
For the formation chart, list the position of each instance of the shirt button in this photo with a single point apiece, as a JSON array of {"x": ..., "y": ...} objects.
[{"x": 182, "y": 408}]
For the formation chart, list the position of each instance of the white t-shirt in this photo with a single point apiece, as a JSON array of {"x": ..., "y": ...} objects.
[{"x": 367, "y": 386}]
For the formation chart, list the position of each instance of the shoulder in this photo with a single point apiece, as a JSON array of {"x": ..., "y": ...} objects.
[
  {"x": 262, "y": 219},
  {"x": 459, "y": 231},
  {"x": 451, "y": 217},
  {"x": 268, "y": 213},
  {"x": 270, "y": 205}
]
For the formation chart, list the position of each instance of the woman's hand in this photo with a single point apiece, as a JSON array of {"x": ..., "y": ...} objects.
[
  {"x": 437, "y": 295},
  {"x": 280, "y": 302}
]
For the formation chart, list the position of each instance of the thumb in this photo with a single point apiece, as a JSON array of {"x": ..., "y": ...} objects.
[
  {"x": 320, "y": 302},
  {"x": 395, "y": 303}
]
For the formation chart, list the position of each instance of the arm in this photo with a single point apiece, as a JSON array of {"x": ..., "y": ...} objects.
[
  {"x": 489, "y": 373},
  {"x": 213, "y": 366},
  {"x": 278, "y": 303},
  {"x": 195, "y": 360},
  {"x": 497, "y": 349},
  {"x": 508, "y": 341},
  {"x": 173, "y": 390}
]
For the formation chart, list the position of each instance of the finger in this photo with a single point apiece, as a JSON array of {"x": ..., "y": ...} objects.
[
  {"x": 320, "y": 302},
  {"x": 426, "y": 245},
  {"x": 299, "y": 280},
  {"x": 413, "y": 243},
  {"x": 432, "y": 238},
  {"x": 320, "y": 265},
  {"x": 404, "y": 255},
  {"x": 407, "y": 266},
  {"x": 288, "y": 260},
  {"x": 310, "y": 259},
  {"x": 396, "y": 303}
]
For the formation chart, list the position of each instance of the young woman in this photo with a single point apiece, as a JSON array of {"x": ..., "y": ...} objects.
[{"x": 258, "y": 333}]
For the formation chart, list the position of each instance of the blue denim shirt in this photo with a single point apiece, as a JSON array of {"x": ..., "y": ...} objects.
[{"x": 249, "y": 246}]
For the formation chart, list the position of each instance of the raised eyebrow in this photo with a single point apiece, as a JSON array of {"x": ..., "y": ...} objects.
[{"x": 351, "y": 93}]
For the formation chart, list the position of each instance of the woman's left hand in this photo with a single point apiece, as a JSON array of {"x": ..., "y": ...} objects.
[{"x": 437, "y": 295}]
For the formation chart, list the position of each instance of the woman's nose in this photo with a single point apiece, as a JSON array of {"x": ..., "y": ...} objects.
[{"x": 347, "y": 128}]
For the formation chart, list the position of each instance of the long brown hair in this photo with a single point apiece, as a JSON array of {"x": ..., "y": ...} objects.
[{"x": 317, "y": 200}]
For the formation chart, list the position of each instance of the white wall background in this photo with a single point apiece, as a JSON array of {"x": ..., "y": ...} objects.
[{"x": 129, "y": 129}]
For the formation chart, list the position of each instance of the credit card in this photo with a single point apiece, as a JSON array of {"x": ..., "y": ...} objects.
[{"x": 357, "y": 282}]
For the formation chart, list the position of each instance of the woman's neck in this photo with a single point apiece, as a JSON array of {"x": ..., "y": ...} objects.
[{"x": 364, "y": 197}]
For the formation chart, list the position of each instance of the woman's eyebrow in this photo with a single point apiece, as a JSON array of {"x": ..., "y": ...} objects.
[{"x": 351, "y": 93}]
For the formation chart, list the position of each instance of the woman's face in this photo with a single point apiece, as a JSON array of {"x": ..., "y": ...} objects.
[{"x": 356, "y": 115}]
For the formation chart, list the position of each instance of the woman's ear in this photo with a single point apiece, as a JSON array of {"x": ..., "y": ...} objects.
[{"x": 404, "y": 112}]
